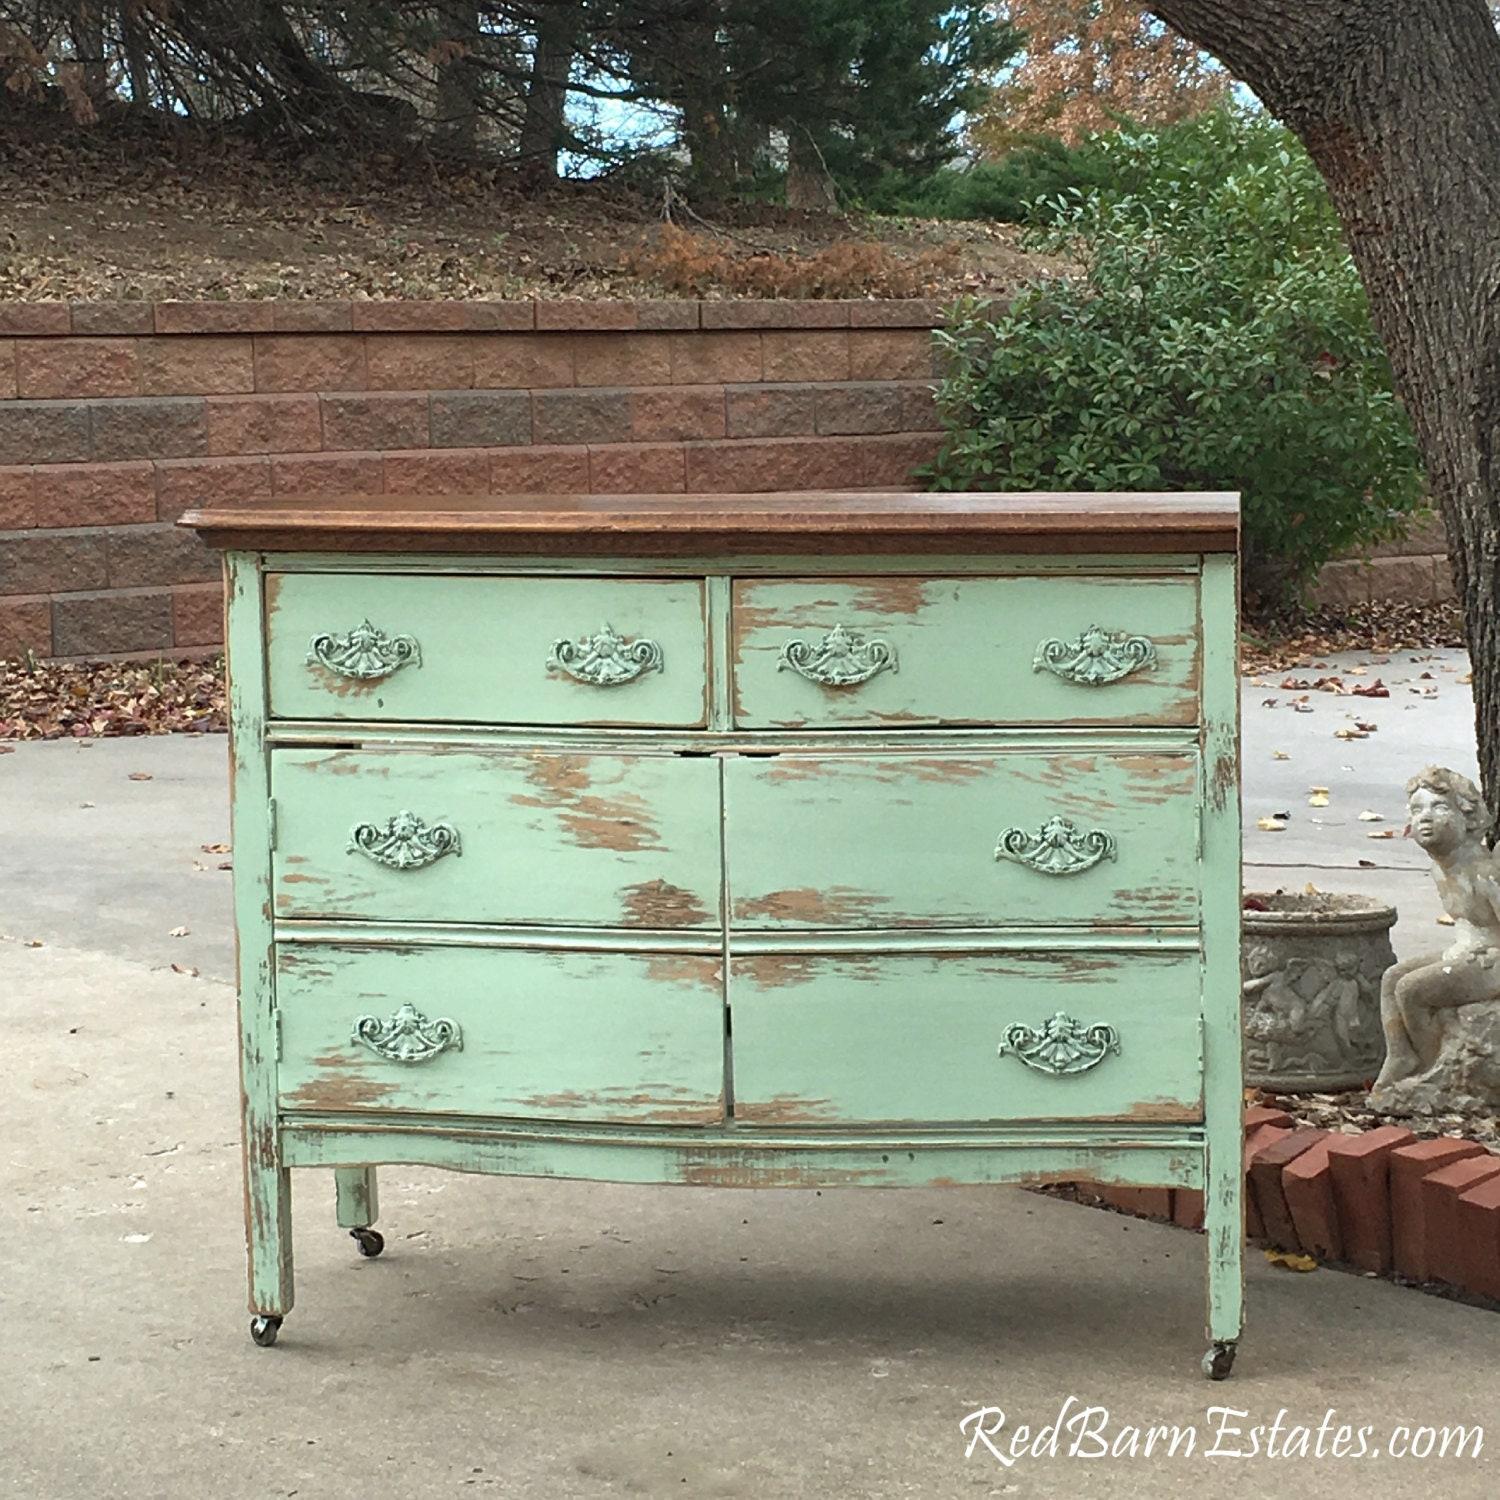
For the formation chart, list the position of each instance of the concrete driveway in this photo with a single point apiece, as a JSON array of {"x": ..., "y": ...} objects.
[{"x": 556, "y": 1339}]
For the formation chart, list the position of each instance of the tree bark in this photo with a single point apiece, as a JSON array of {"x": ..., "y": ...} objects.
[
  {"x": 1398, "y": 103},
  {"x": 808, "y": 183},
  {"x": 457, "y": 91},
  {"x": 543, "y": 128}
]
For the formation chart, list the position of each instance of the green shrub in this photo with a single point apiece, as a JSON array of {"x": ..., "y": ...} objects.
[
  {"x": 1214, "y": 337},
  {"x": 1004, "y": 190}
]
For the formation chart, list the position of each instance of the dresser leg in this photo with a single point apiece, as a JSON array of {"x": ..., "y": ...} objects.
[
  {"x": 1224, "y": 1232},
  {"x": 359, "y": 1207},
  {"x": 269, "y": 1232}
]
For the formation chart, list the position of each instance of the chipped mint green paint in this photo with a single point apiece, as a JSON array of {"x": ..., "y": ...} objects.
[
  {"x": 560, "y": 1036},
  {"x": 909, "y": 840},
  {"x": 966, "y": 648},
  {"x": 547, "y": 837},
  {"x": 982, "y": 880},
  {"x": 830, "y": 1040},
  {"x": 485, "y": 648},
  {"x": 357, "y": 1197}
]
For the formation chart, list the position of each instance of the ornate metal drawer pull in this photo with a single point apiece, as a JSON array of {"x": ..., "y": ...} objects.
[
  {"x": 405, "y": 843},
  {"x": 364, "y": 653},
  {"x": 408, "y": 1037},
  {"x": 1060, "y": 1045},
  {"x": 1057, "y": 848},
  {"x": 843, "y": 658},
  {"x": 606, "y": 659},
  {"x": 1096, "y": 657}
]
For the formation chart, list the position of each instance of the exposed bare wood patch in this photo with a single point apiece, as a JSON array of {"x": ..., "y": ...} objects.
[
  {"x": 785, "y": 1109},
  {"x": 650, "y": 1104},
  {"x": 947, "y": 769},
  {"x": 688, "y": 970},
  {"x": 748, "y": 1172},
  {"x": 774, "y": 971},
  {"x": 1223, "y": 781},
  {"x": 893, "y": 595},
  {"x": 621, "y": 822},
  {"x": 657, "y": 903},
  {"x": 808, "y": 907},
  {"x": 344, "y": 687},
  {"x": 1165, "y": 1109},
  {"x": 342, "y": 1085}
]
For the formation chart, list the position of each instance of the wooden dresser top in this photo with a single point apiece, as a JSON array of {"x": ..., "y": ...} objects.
[{"x": 804, "y": 522}]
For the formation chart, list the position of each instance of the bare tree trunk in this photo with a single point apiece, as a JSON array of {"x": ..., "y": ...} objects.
[
  {"x": 86, "y": 29},
  {"x": 136, "y": 66},
  {"x": 808, "y": 182},
  {"x": 1398, "y": 103},
  {"x": 457, "y": 102},
  {"x": 543, "y": 129}
]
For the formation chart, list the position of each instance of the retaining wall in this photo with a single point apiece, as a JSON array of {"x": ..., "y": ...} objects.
[{"x": 116, "y": 417}]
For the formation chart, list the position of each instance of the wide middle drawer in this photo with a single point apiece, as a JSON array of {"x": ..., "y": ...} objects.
[
  {"x": 487, "y": 649},
  {"x": 959, "y": 840},
  {"x": 526, "y": 837}
]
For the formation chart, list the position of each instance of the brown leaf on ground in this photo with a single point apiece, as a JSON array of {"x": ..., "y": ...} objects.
[
  {"x": 61, "y": 700},
  {"x": 1302, "y": 643}
]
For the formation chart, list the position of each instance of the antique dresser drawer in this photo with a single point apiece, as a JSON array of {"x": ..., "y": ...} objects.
[
  {"x": 897, "y": 651},
  {"x": 518, "y": 1033},
  {"x": 522, "y": 836},
  {"x": 498, "y": 650},
  {"x": 962, "y": 840},
  {"x": 966, "y": 1038}
]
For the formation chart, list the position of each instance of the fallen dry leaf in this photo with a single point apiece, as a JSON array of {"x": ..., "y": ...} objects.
[
  {"x": 1445, "y": 920},
  {"x": 1382, "y": 833},
  {"x": 214, "y": 848},
  {"x": 1290, "y": 1261},
  {"x": 187, "y": 969},
  {"x": 178, "y": 932},
  {"x": 140, "y": 776},
  {"x": 1271, "y": 825},
  {"x": 1280, "y": 755},
  {"x": 1368, "y": 816},
  {"x": 1318, "y": 797},
  {"x": 1366, "y": 864}
]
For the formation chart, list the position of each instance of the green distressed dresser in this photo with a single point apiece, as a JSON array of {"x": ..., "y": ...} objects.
[{"x": 743, "y": 840}]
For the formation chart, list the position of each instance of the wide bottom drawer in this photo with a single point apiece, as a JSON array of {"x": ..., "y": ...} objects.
[
  {"x": 965, "y": 1038},
  {"x": 518, "y": 1033}
]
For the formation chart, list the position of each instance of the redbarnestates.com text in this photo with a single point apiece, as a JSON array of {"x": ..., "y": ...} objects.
[{"x": 1225, "y": 1432}]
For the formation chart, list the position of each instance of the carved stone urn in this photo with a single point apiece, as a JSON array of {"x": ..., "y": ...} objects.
[{"x": 1310, "y": 967}]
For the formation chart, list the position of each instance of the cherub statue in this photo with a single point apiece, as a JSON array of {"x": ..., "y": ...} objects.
[{"x": 1440, "y": 1054}]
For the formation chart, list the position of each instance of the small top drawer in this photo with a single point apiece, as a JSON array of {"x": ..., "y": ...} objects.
[
  {"x": 499, "y": 650},
  {"x": 900, "y": 651}
]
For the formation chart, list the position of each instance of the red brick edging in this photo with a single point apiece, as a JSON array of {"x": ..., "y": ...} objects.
[{"x": 1378, "y": 1201}]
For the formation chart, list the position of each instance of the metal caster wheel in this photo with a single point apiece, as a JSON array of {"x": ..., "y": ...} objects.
[
  {"x": 370, "y": 1241},
  {"x": 264, "y": 1330},
  {"x": 1219, "y": 1360}
]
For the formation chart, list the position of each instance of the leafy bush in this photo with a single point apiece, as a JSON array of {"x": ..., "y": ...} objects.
[
  {"x": 1006, "y": 190},
  {"x": 1214, "y": 337}
]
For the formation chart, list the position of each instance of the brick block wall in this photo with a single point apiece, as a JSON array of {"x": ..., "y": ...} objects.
[{"x": 116, "y": 417}]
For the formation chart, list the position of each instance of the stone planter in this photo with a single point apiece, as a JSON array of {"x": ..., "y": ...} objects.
[{"x": 1310, "y": 967}]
